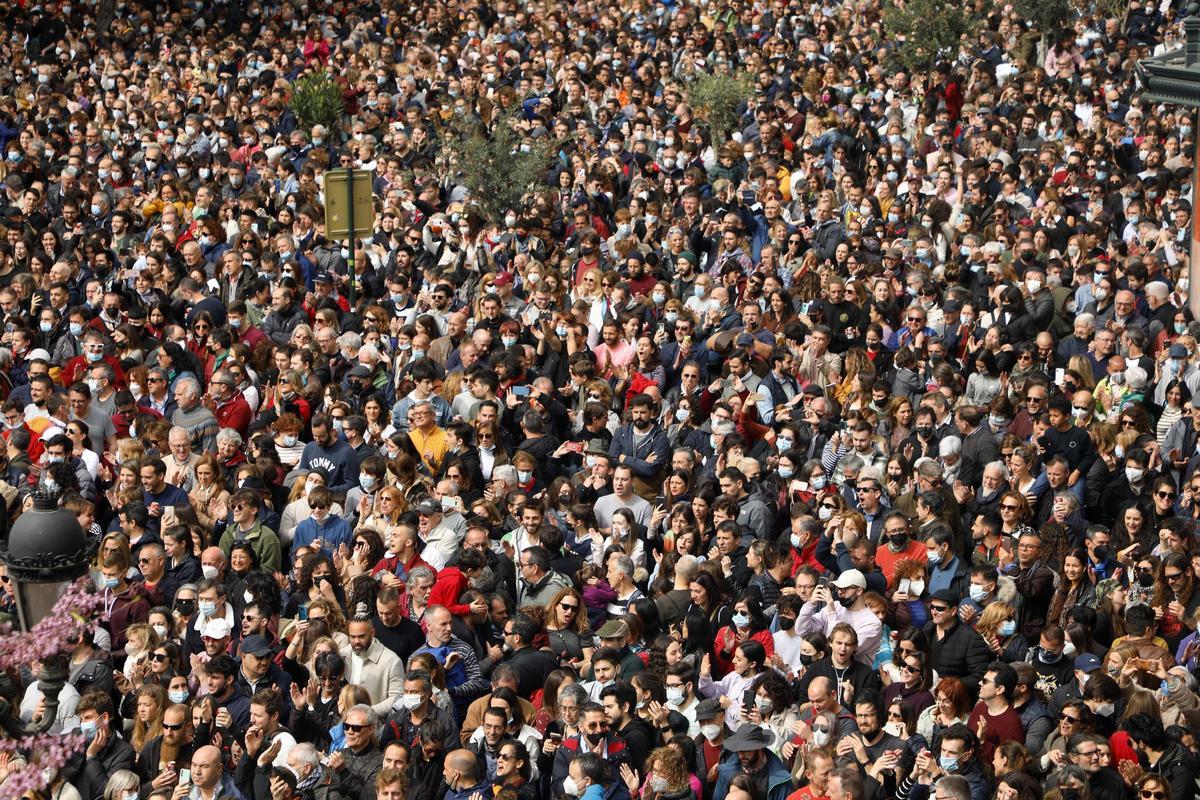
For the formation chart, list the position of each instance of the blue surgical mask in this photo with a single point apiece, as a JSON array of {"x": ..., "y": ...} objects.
[
  {"x": 786, "y": 472},
  {"x": 111, "y": 583},
  {"x": 75, "y": 328},
  {"x": 180, "y": 696},
  {"x": 741, "y": 620},
  {"x": 206, "y": 607},
  {"x": 1008, "y": 628},
  {"x": 88, "y": 729},
  {"x": 367, "y": 483},
  {"x": 948, "y": 764},
  {"x": 783, "y": 443},
  {"x": 523, "y": 475}
]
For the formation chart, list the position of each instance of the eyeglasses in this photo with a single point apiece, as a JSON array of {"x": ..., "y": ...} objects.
[
  {"x": 566, "y": 607},
  {"x": 1088, "y": 753},
  {"x": 1167, "y": 495},
  {"x": 1173, "y": 576},
  {"x": 939, "y": 609},
  {"x": 1148, "y": 794},
  {"x": 1068, "y": 718},
  {"x": 506, "y": 757},
  {"x": 1009, "y": 507},
  {"x": 169, "y": 727},
  {"x": 354, "y": 728},
  {"x": 158, "y": 656}
]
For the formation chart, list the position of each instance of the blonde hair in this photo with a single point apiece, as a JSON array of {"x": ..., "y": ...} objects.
[{"x": 993, "y": 616}]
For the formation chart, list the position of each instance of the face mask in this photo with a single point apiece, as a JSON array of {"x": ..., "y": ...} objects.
[
  {"x": 570, "y": 787},
  {"x": 1134, "y": 474},
  {"x": 207, "y": 608},
  {"x": 697, "y": 291},
  {"x": 933, "y": 556},
  {"x": 659, "y": 298},
  {"x": 681, "y": 414},
  {"x": 289, "y": 441},
  {"x": 411, "y": 701},
  {"x": 46, "y": 327},
  {"x": 916, "y": 588},
  {"x": 783, "y": 443},
  {"x": 675, "y": 696},
  {"x": 94, "y": 357},
  {"x": 180, "y": 696},
  {"x": 88, "y": 729},
  {"x": 508, "y": 341},
  {"x": 847, "y": 601},
  {"x": 898, "y": 541},
  {"x": 741, "y": 620},
  {"x": 796, "y": 540},
  {"x": 824, "y": 513},
  {"x": 1100, "y": 294},
  {"x": 1008, "y": 628},
  {"x": 710, "y": 732},
  {"x": 762, "y": 704},
  {"x": 1048, "y": 656},
  {"x": 893, "y": 729},
  {"x": 367, "y": 483},
  {"x": 947, "y": 763},
  {"x": 786, "y": 472},
  {"x": 821, "y": 738},
  {"x": 978, "y": 593},
  {"x": 1105, "y": 709},
  {"x": 1033, "y": 286},
  {"x": 818, "y": 483},
  {"x": 1180, "y": 327},
  {"x": 248, "y": 596},
  {"x": 161, "y": 630},
  {"x": 111, "y": 583},
  {"x": 1069, "y": 650},
  {"x": 75, "y": 328}
]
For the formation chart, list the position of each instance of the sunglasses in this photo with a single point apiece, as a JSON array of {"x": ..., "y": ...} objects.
[
  {"x": 1150, "y": 794},
  {"x": 158, "y": 656},
  {"x": 169, "y": 727},
  {"x": 354, "y": 728},
  {"x": 1167, "y": 495},
  {"x": 566, "y": 607}
]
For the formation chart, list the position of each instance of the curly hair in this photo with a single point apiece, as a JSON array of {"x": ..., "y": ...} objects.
[{"x": 668, "y": 763}]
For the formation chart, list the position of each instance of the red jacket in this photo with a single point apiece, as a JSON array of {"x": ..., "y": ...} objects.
[
  {"x": 128, "y": 607},
  {"x": 234, "y": 413},
  {"x": 76, "y": 370},
  {"x": 724, "y": 660}
]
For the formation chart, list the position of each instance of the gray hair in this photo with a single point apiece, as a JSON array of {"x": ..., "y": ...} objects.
[
  {"x": 350, "y": 340},
  {"x": 367, "y": 351},
  {"x": 419, "y": 573},
  {"x": 506, "y": 473},
  {"x": 687, "y": 567},
  {"x": 229, "y": 435},
  {"x": 954, "y": 787},
  {"x": 950, "y": 446},
  {"x": 1087, "y": 319},
  {"x": 997, "y": 465},
  {"x": 623, "y": 563},
  {"x": 306, "y": 754},
  {"x": 189, "y": 385},
  {"x": 573, "y": 691},
  {"x": 372, "y": 717}
]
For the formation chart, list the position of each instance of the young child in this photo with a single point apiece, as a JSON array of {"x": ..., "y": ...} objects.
[{"x": 597, "y": 594}]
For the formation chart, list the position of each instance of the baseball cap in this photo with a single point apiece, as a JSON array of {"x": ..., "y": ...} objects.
[
  {"x": 215, "y": 629},
  {"x": 850, "y": 578},
  {"x": 256, "y": 645}
]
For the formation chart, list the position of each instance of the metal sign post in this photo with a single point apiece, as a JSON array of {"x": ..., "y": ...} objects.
[{"x": 349, "y": 210}]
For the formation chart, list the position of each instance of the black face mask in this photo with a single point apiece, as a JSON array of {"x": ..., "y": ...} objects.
[
  {"x": 898, "y": 540},
  {"x": 595, "y": 738},
  {"x": 787, "y": 623},
  {"x": 1101, "y": 554},
  {"x": 1145, "y": 580},
  {"x": 185, "y": 607},
  {"x": 807, "y": 660}
]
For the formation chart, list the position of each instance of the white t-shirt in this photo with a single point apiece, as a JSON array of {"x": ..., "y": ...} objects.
[{"x": 787, "y": 646}]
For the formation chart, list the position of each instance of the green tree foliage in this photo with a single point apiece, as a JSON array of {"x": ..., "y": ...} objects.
[
  {"x": 498, "y": 163},
  {"x": 715, "y": 99},
  {"x": 924, "y": 32},
  {"x": 1047, "y": 16},
  {"x": 317, "y": 100}
]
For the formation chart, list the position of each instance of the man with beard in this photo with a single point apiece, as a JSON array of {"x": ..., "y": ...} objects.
[{"x": 642, "y": 446}]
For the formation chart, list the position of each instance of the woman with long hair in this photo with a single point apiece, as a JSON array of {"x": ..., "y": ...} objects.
[
  {"x": 709, "y": 596},
  {"x": 916, "y": 679},
  {"x": 150, "y": 705},
  {"x": 569, "y": 636},
  {"x": 1176, "y": 593},
  {"x": 1075, "y": 587}
]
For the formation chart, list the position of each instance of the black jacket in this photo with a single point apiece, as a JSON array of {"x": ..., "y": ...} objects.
[
  {"x": 961, "y": 653},
  {"x": 1178, "y": 768},
  {"x": 640, "y": 739},
  {"x": 534, "y": 666},
  {"x": 89, "y": 775}
]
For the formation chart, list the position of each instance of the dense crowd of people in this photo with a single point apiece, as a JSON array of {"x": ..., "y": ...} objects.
[{"x": 849, "y": 453}]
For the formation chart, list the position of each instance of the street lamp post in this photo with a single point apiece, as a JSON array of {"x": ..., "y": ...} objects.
[
  {"x": 1174, "y": 78},
  {"x": 45, "y": 552}
]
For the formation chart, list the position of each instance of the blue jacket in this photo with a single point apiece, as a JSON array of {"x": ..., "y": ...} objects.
[
  {"x": 779, "y": 781},
  {"x": 635, "y": 456},
  {"x": 339, "y": 460}
]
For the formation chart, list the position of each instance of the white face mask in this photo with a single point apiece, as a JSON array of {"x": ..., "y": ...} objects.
[{"x": 710, "y": 732}]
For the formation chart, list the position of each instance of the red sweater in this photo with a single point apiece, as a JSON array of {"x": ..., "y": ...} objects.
[
  {"x": 1001, "y": 728},
  {"x": 724, "y": 660}
]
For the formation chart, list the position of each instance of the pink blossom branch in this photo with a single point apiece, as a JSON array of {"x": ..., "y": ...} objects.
[
  {"x": 49, "y": 753},
  {"x": 73, "y": 615}
]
